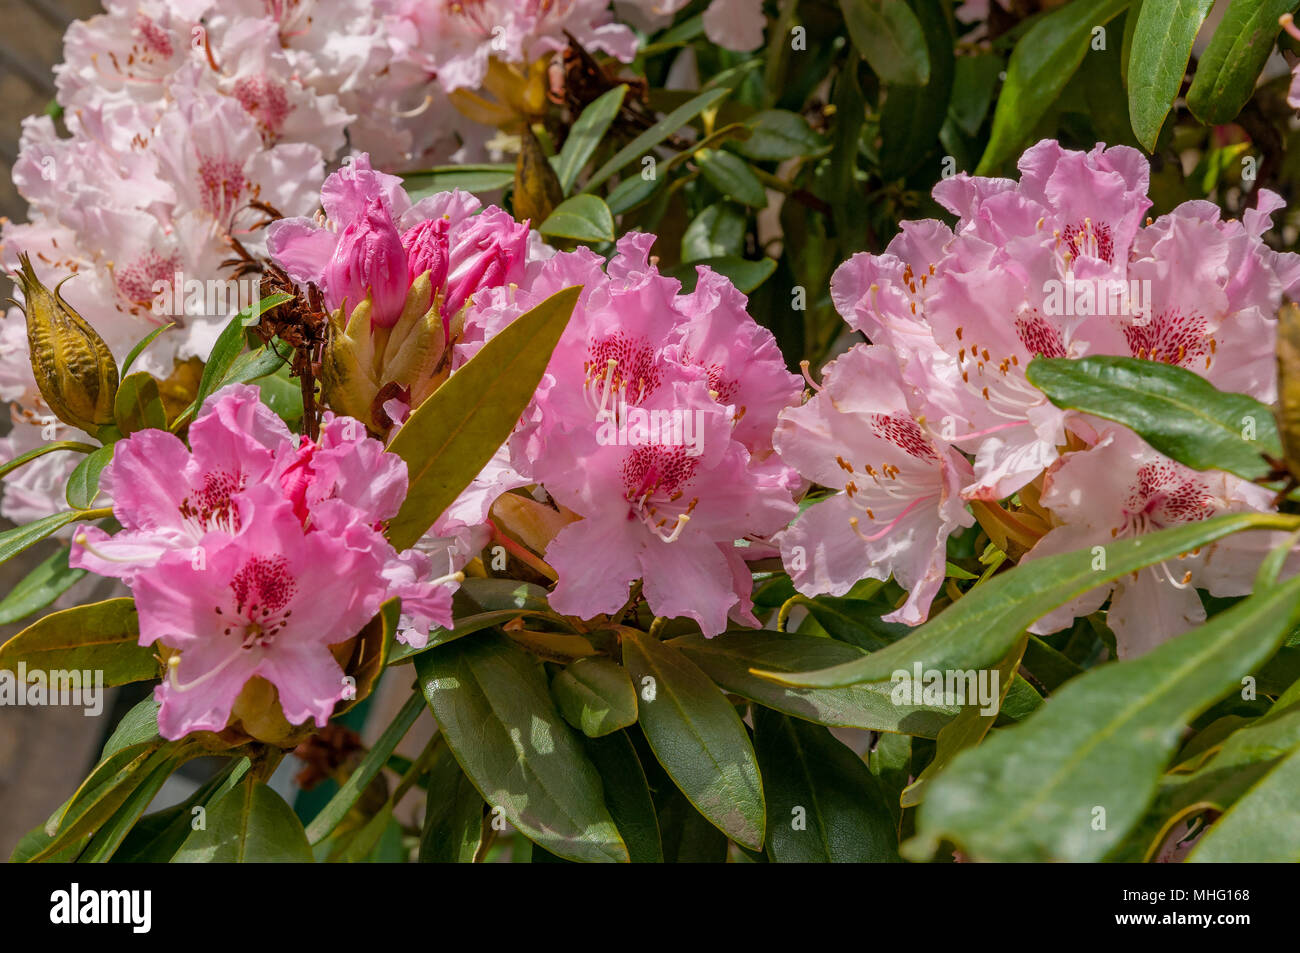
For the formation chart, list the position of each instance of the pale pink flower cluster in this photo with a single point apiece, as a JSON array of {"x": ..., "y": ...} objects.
[
  {"x": 252, "y": 551},
  {"x": 652, "y": 431},
  {"x": 732, "y": 24},
  {"x": 1061, "y": 263}
]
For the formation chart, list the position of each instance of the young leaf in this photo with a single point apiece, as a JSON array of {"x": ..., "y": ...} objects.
[
  {"x": 732, "y": 176},
  {"x": 16, "y": 540},
  {"x": 49, "y": 580},
  {"x": 492, "y": 704},
  {"x": 83, "y": 481},
  {"x": 596, "y": 696},
  {"x": 30, "y": 455},
  {"x": 467, "y": 178},
  {"x": 697, "y": 737},
  {"x": 1178, "y": 412},
  {"x": 138, "y": 404},
  {"x": 777, "y": 135},
  {"x": 450, "y": 437},
  {"x": 1162, "y": 45},
  {"x": 1069, "y": 782},
  {"x": 583, "y": 218}
]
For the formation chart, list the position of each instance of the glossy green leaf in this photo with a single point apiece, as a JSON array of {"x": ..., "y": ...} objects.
[
  {"x": 1262, "y": 827},
  {"x": 141, "y": 345},
  {"x": 83, "y": 481},
  {"x": 777, "y": 135},
  {"x": 483, "y": 177},
  {"x": 888, "y": 36},
  {"x": 717, "y": 232},
  {"x": 156, "y": 837},
  {"x": 729, "y": 659},
  {"x": 981, "y": 627},
  {"x": 250, "y": 824},
  {"x": 1041, "y": 65},
  {"x": 913, "y": 115},
  {"x": 586, "y": 134},
  {"x": 1227, "y": 71},
  {"x": 627, "y": 795},
  {"x": 823, "y": 804},
  {"x": 732, "y": 176},
  {"x": 450, "y": 437},
  {"x": 100, "y": 637},
  {"x": 16, "y": 540},
  {"x": 583, "y": 218},
  {"x": 1178, "y": 412},
  {"x": 661, "y": 130},
  {"x": 697, "y": 737},
  {"x": 50, "y": 579},
  {"x": 492, "y": 704},
  {"x": 746, "y": 275},
  {"x": 595, "y": 695},
  {"x": 138, "y": 404},
  {"x": 1162, "y": 46},
  {"x": 1068, "y": 783},
  {"x": 453, "y": 816}
]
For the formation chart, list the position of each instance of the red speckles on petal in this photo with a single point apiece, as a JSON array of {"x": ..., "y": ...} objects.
[
  {"x": 654, "y": 471},
  {"x": 263, "y": 586},
  {"x": 153, "y": 39},
  {"x": 1090, "y": 238},
  {"x": 213, "y": 506},
  {"x": 1039, "y": 337},
  {"x": 221, "y": 183},
  {"x": 265, "y": 101},
  {"x": 1166, "y": 493},
  {"x": 1171, "y": 337},
  {"x": 904, "y": 433},
  {"x": 634, "y": 373},
  {"x": 136, "y": 281}
]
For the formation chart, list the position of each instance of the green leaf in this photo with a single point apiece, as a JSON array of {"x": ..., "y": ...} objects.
[
  {"x": 1227, "y": 71},
  {"x": 974, "y": 80},
  {"x": 1262, "y": 827},
  {"x": 350, "y": 790},
  {"x": 453, "y": 817},
  {"x": 1162, "y": 46},
  {"x": 1041, "y": 65},
  {"x": 157, "y": 837},
  {"x": 451, "y": 436},
  {"x": 138, "y": 404},
  {"x": 102, "y": 636},
  {"x": 656, "y": 134},
  {"x": 1178, "y": 412},
  {"x": 729, "y": 659},
  {"x": 49, "y": 580},
  {"x": 913, "y": 115},
  {"x": 492, "y": 704},
  {"x": 42, "y": 450},
  {"x": 584, "y": 218},
  {"x": 746, "y": 275},
  {"x": 138, "y": 726},
  {"x": 1033, "y": 792},
  {"x": 823, "y": 805},
  {"x": 981, "y": 627},
  {"x": 889, "y": 37},
  {"x": 595, "y": 695},
  {"x": 586, "y": 134},
  {"x": 112, "y": 832},
  {"x": 717, "y": 232},
  {"x": 467, "y": 178},
  {"x": 732, "y": 176},
  {"x": 627, "y": 795},
  {"x": 698, "y": 738},
  {"x": 466, "y": 626},
  {"x": 633, "y": 191},
  {"x": 777, "y": 135},
  {"x": 16, "y": 540},
  {"x": 83, "y": 481},
  {"x": 140, "y": 346},
  {"x": 250, "y": 824}
]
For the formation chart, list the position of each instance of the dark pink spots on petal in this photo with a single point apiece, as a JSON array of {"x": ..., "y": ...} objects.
[
  {"x": 262, "y": 587},
  {"x": 213, "y": 506},
  {"x": 904, "y": 433},
  {"x": 1092, "y": 239},
  {"x": 635, "y": 372},
  {"x": 1167, "y": 493},
  {"x": 656, "y": 471},
  {"x": 136, "y": 281},
  {"x": 1171, "y": 337},
  {"x": 265, "y": 101},
  {"x": 1039, "y": 337},
  {"x": 153, "y": 38},
  {"x": 221, "y": 183}
]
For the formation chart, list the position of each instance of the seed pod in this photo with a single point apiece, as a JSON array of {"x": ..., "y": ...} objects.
[{"x": 74, "y": 368}]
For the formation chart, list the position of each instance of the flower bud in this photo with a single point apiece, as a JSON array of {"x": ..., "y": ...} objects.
[
  {"x": 369, "y": 260},
  {"x": 74, "y": 368},
  {"x": 427, "y": 251}
]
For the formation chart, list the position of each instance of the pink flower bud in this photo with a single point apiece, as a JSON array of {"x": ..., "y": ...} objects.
[
  {"x": 369, "y": 259},
  {"x": 427, "y": 250}
]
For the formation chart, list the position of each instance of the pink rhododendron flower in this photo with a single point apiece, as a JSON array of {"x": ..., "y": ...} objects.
[
  {"x": 653, "y": 425},
  {"x": 250, "y": 508},
  {"x": 901, "y": 488},
  {"x": 369, "y": 261},
  {"x": 1120, "y": 489}
]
